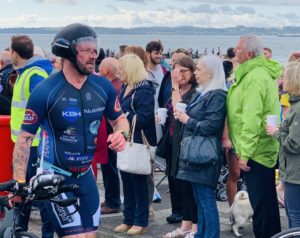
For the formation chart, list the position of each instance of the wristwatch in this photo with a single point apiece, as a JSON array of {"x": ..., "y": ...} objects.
[
  {"x": 125, "y": 134},
  {"x": 174, "y": 89}
]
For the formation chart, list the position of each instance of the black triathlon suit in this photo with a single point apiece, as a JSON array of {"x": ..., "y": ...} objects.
[{"x": 69, "y": 119}]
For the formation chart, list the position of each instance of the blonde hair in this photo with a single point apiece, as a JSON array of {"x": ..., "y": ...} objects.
[
  {"x": 292, "y": 78},
  {"x": 134, "y": 68}
]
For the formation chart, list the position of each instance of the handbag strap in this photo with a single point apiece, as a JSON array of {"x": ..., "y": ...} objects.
[
  {"x": 132, "y": 98},
  {"x": 133, "y": 124},
  {"x": 195, "y": 131}
]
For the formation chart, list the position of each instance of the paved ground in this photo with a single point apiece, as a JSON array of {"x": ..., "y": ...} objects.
[{"x": 159, "y": 226}]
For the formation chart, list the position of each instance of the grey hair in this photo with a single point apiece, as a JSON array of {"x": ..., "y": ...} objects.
[
  {"x": 253, "y": 43},
  {"x": 5, "y": 57}
]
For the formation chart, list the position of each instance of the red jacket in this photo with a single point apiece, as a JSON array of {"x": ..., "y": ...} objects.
[{"x": 101, "y": 155}]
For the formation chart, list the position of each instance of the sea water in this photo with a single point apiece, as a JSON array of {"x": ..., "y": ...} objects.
[{"x": 282, "y": 47}]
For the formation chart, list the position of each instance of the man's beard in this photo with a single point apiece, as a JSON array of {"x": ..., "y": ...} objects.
[
  {"x": 85, "y": 70},
  {"x": 153, "y": 61}
]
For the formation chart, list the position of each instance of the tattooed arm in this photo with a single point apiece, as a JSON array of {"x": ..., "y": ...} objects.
[{"x": 21, "y": 155}]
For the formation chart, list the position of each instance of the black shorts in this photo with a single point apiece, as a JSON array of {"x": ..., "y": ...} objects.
[{"x": 87, "y": 218}]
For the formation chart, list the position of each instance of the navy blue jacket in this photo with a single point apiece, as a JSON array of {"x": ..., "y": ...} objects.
[
  {"x": 4, "y": 74},
  {"x": 143, "y": 105},
  {"x": 210, "y": 112},
  {"x": 165, "y": 91}
]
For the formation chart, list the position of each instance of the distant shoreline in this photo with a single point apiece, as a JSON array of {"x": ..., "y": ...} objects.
[
  {"x": 116, "y": 34},
  {"x": 180, "y": 30}
]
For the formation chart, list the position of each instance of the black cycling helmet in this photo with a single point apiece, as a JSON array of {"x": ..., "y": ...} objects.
[{"x": 64, "y": 42}]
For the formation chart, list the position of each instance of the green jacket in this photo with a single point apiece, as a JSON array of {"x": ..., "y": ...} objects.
[
  {"x": 288, "y": 136},
  {"x": 250, "y": 99}
]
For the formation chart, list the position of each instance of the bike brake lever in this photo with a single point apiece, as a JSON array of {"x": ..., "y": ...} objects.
[{"x": 66, "y": 202}]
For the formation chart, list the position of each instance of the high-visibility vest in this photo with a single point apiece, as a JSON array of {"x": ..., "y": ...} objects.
[{"x": 20, "y": 97}]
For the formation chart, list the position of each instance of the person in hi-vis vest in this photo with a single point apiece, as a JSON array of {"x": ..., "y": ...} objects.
[{"x": 31, "y": 70}]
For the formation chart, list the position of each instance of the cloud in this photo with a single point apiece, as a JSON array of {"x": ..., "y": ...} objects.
[
  {"x": 70, "y": 2},
  {"x": 226, "y": 10},
  {"x": 203, "y": 15},
  {"x": 127, "y": 19},
  {"x": 112, "y": 7},
  {"x": 246, "y": 10},
  {"x": 203, "y": 8},
  {"x": 32, "y": 20},
  {"x": 206, "y": 8},
  {"x": 245, "y": 2},
  {"x": 134, "y": 1},
  {"x": 290, "y": 15}
]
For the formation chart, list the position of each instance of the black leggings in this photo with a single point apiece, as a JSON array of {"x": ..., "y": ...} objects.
[{"x": 189, "y": 206}]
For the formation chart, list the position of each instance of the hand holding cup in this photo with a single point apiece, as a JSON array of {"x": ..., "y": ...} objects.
[
  {"x": 162, "y": 115},
  {"x": 272, "y": 124}
]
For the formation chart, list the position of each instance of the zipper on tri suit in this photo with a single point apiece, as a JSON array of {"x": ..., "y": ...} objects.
[{"x": 83, "y": 123}]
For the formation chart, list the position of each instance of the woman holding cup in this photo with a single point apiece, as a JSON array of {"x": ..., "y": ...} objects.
[
  {"x": 288, "y": 135},
  {"x": 205, "y": 116},
  {"x": 183, "y": 90}
]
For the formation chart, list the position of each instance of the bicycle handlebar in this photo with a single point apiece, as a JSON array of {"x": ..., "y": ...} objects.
[
  {"x": 44, "y": 180},
  {"x": 43, "y": 187},
  {"x": 7, "y": 186}
]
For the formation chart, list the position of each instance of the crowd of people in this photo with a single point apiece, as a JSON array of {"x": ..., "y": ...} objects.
[
  {"x": 167, "y": 54},
  {"x": 82, "y": 104}
]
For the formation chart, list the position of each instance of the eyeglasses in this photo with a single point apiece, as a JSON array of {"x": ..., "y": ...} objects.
[
  {"x": 182, "y": 71},
  {"x": 89, "y": 51}
]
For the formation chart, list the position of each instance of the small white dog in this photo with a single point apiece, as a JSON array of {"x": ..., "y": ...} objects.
[{"x": 240, "y": 211}]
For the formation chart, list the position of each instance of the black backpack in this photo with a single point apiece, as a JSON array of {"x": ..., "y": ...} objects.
[{"x": 8, "y": 77}]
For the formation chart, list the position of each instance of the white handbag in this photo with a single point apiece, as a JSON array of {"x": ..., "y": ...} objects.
[{"x": 136, "y": 158}]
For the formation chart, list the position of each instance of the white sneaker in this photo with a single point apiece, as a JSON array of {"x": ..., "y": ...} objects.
[{"x": 190, "y": 235}]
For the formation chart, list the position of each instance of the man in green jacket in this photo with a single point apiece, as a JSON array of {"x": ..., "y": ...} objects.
[{"x": 252, "y": 97}]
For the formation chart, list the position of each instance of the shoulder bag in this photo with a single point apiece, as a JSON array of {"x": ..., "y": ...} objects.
[
  {"x": 199, "y": 150},
  {"x": 135, "y": 158}
]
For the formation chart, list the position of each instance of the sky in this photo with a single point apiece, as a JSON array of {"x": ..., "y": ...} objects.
[{"x": 145, "y": 13}]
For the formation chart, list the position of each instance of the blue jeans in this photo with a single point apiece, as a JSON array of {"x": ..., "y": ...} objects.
[
  {"x": 292, "y": 203},
  {"x": 136, "y": 205},
  {"x": 111, "y": 181},
  {"x": 208, "y": 216}
]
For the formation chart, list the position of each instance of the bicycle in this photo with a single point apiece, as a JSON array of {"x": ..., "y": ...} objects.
[
  {"x": 44, "y": 187},
  {"x": 293, "y": 232}
]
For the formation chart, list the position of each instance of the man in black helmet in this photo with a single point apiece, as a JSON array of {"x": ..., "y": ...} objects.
[{"x": 68, "y": 108}]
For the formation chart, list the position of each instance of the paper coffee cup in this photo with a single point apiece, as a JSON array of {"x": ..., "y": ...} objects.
[
  {"x": 272, "y": 120},
  {"x": 181, "y": 106},
  {"x": 162, "y": 114}
]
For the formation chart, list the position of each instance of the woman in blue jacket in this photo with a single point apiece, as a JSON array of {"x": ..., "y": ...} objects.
[
  {"x": 137, "y": 98},
  {"x": 206, "y": 113}
]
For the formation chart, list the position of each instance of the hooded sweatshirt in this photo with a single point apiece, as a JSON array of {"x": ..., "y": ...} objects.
[
  {"x": 40, "y": 62},
  {"x": 250, "y": 99}
]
